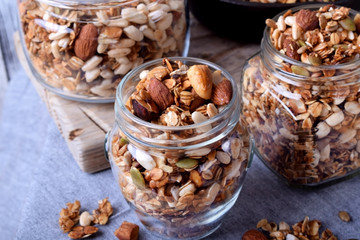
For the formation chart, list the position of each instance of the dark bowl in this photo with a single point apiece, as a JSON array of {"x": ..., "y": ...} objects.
[{"x": 244, "y": 21}]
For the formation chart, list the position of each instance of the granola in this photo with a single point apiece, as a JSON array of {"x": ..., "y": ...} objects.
[
  {"x": 69, "y": 216},
  {"x": 301, "y": 109},
  {"x": 87, "y": 49},
  {"x": 179, "y": 187},
  {"x": 305, "y": 229}
]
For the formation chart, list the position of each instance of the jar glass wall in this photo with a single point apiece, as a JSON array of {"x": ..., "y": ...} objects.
[
  {"x": 82, "y": 49},
  {"x": 202, "y": 166},
  {"x": 304, "y": 116}
]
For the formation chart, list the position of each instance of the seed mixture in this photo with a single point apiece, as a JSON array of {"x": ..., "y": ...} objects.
[
  {"x": 307, "y": 130},
  {"x": 71, "y": 216},
  {"x": 179, "y": 187},
  {"x": 88, "y": 49}
]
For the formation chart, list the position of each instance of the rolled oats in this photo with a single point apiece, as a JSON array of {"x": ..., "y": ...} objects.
[
  {"x": 176, "y": 187},
  {"x": 92, "y": 41},
  {"x": 301, "y": 110}
]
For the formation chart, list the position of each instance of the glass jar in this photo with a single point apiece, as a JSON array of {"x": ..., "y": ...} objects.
[
  {"x": 197, "y": 186},
  {"x": 82, "y": 49},
  {"x": 303, "y": 117}
]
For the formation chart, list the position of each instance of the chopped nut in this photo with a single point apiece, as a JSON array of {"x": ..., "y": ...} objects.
[
  {"x": 253, "y": 235},
  {"x": 86, "y": 219},
  {"x": 127, "y": 231},
  {"x": 82, "y": 232}
]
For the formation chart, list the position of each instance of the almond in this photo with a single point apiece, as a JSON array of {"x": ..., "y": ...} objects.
[
  {"x": 254, "y": 235},
  {"x": 291, "y": 48},
  {"x": 222, "y": 93},
  {"x": 160, "y": 94},
  {"x": 200, "y": 78},
  {"x": 307, "y": 19},
  {"x": 86, "y": 43}
]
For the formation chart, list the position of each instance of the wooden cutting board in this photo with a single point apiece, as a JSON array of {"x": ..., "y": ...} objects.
[{"x": 84, "y": 125}]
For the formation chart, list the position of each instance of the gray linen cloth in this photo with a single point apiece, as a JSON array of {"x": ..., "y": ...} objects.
[{"x": 39, "y": 176}]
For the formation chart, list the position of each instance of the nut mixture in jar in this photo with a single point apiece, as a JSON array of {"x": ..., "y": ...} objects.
[
  {"x": 301, "y": 95},
  {"x": 86, "y": 49},
  {"x": 178, "y": 187}
]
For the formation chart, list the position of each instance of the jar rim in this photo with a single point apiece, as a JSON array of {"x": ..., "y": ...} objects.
[
  {"x": 267, "y": 42},
  {"x": 144, "y": 123}
]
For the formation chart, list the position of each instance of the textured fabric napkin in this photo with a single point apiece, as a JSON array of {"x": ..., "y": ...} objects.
[{"x": 38, "y": 176}]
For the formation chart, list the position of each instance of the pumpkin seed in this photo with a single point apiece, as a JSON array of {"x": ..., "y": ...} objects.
[
  {"x": 187, "y": 163},
  {"x": 123, "y": 141},
  {"x": 301, "y": 43},
  {"x": 137, "y": 178},
  {"x": 300, "y": 71},
  {"x": 348, "y": 24},
  {"x": 344, "y": 46},
  {"x": 316, "y": 61}
]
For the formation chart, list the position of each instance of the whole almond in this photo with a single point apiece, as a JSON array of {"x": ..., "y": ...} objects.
[
  {"x": 254, "y": 235},
  {"x": 222, "y": 93},
  {"x": 291, "y": 49},
  {"x": 307, "y": 19},
  {"x": 86, "y": 43},
  {"x": 200, "y": 78},
  {"x": 160, "y": 94}
]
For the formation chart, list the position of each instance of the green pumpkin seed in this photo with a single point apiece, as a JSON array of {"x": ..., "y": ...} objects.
[
  {"x": 301, "y": 43},
  {"x": 187, "y": 163},
  {"x": 123, "y": 141},
  {"x": 348, "y": 24},
  {"x": 316, "y": 61},
  {"x": 300, "y": 71},
  {"x": 343, "y": 46},
  {"x": 137, "y": 178}
]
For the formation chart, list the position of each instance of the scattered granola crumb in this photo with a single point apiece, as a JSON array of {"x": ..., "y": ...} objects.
[
  {"x": 82, "y": 232},
  {"x": 69, "y": 216},
  {"x": 127, "y": 231},
  {"x": 305, "y": 229},
  {"x": 344, "y": 216},
  {"x": 102, "y": 214}
]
